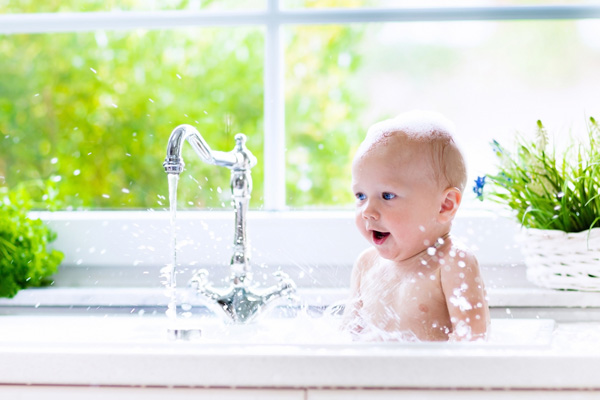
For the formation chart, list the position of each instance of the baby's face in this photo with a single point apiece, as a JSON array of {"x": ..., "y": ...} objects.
[{"x": 398, "y": 199}]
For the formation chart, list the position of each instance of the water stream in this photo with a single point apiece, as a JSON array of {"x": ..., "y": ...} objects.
[{"x": 170, "y": 270}]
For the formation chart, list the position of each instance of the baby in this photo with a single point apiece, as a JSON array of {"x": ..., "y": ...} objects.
[{"x": 415, "y": 282}]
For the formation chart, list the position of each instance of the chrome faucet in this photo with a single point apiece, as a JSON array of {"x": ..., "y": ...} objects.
[{"x": 240, "y": 302}]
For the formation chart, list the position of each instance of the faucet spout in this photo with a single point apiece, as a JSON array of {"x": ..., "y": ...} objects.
[{"x": 174, "y": 161}]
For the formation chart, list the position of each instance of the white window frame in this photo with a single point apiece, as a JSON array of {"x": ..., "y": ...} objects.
[{"x": 101, "y": 239}]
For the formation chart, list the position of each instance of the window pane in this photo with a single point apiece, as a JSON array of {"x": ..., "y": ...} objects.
[
  {"x": 491, "y": 78},
  {"x": 35, "y": 6},
  {"x": 94, "y": 111}
]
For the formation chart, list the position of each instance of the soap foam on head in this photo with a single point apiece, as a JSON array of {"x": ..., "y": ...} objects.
[{"x": 415, "y": 124}]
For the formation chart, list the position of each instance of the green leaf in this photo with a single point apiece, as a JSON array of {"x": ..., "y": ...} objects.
[{"x": 25, "y": 259}]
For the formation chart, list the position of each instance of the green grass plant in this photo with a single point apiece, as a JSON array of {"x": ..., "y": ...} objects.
[{"x": 547, "y": 189}]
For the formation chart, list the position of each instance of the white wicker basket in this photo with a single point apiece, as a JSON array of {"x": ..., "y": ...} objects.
[{"x": 560, "y": 260}]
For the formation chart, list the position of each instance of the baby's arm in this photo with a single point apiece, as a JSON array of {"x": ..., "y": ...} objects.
[
  {"x": 351, "y": 319},
  {"x": 465, "y": 297}
]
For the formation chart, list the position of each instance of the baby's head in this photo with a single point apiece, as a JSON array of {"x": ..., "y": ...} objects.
[
  {"x": 408, "y": 176},
  {"x": 429, "y": 132}
]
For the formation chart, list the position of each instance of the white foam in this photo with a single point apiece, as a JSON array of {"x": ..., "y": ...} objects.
[{"x": 413, "y": 123}]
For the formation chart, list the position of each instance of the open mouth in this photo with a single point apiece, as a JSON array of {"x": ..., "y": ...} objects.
[{"x": 379, "y": 237}]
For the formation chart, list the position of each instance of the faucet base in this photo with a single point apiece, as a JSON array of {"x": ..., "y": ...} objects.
[{"x": 240, "y": 303}]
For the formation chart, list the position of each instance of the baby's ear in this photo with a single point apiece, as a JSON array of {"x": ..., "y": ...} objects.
[{"x": 450, "y": 201}]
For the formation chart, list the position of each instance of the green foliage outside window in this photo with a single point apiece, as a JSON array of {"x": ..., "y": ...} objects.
[{"x": 92, "y": 111}]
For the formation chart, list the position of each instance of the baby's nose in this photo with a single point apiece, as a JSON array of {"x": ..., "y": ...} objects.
[{"x": 370, "y": 212}]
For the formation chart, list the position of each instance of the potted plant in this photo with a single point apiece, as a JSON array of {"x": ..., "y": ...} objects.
[
  {"x": 26, "y": 260},
  {"x": 555, "y": 196}
]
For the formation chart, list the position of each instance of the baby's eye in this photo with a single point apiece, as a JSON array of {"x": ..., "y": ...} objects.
[
  {"x": 360, "y": 196},
  {"x": 388, "y": 196}
]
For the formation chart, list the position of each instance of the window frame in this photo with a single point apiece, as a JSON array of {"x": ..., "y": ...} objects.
[{"x": 502, "y": 251}]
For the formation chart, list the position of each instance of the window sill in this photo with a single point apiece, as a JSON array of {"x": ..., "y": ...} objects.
[
  {"x": 113, "y": 259},
  {"x": 141, "y": 238}
]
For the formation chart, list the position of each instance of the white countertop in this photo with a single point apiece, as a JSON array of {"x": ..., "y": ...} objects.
[
  {"x": 135, "y": 351},
  {"x": 45, "y": 340}
]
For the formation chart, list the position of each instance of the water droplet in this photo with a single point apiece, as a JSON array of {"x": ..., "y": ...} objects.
[
  {"x": 125, "y": 190},
  {"x": 431, "y": 251},
  {"x": 54, "y": 160},
  {"x": 76, "y": 172},
  {"x": 151, "y": 101},
  {"x": 106, "y": 196},
  {"x": 93, "y": 70},
  {"x": 462, "y": 264}
]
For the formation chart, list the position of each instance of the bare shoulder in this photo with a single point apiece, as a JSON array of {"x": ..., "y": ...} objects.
[
  {"x": 362, "y": 264},
  {"x": 460, "y": 266},
  {"x": 459, "y": 259},
  {"x": 366, "y": 259}
]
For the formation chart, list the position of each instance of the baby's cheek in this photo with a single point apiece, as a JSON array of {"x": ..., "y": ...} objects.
[{"x": 361, "y": 228}]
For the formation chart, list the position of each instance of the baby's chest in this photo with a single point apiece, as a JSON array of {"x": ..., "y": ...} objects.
[{"x": 421, "y": 291}]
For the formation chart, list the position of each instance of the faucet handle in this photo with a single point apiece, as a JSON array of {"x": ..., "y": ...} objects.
[
  {"x": 285, "y": 284},
  {"x": 247, "y": 160},
  {"x": 199, "y": 279}
]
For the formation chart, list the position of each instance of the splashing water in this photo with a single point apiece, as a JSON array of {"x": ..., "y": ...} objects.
[{"x": 170, "y": 281}]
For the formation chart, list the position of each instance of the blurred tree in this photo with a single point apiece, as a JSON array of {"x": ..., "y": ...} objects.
[
  {"x": 92, "y": 111},
  {"x": 322, "y": 113}
]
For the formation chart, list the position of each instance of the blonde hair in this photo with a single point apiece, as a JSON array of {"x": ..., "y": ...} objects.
[{"x": 432, "y": 130}]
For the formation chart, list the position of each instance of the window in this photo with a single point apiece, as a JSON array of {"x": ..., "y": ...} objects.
[
  {"x": 91, "y": 90},
  {"x": 94, "y": 101}
]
